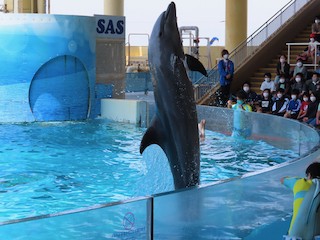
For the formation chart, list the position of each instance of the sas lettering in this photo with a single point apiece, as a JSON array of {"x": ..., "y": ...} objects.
[{"x": 110, "y": 28}]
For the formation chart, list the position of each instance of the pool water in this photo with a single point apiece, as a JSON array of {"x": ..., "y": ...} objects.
[{"x": 52, "y": 167}]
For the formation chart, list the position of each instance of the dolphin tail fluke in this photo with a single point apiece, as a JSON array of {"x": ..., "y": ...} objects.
[
  {"x": 195, "y": 65},
  {"x": 151, "y": 136}
]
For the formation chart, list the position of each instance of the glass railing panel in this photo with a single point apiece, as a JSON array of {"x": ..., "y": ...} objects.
[
  {"x": 230, "y": 210},
  {"x": 124, "y": 221},
  {"x": 274, "y": 25},
  {"x": 288, "y": 13},
  {"x": 138, "y": 82}
]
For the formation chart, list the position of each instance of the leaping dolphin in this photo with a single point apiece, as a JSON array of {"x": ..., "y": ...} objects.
[{"x": 174, "y": 127}]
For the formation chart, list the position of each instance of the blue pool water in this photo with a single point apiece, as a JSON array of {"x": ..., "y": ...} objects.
[{"x": 52, "y": 167}]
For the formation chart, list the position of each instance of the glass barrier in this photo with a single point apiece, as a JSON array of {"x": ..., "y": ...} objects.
[
  {"x": 247, "y": 207},
  {"x": 121, "y": 221}
]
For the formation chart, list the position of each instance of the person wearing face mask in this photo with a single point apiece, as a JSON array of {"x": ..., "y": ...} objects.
[
  {"x": 226, "y": 69},
  {"x": 241, "y": 102},
  {"x": 299, "y": 85},
  {"x": 280, "y": 105},
  {"x": 252, "y": 97},
  {"x": 315, "y": 28},
  {"x": 265, "y": 102},
  {"x": 284, "y": 84},
  {"x": 304, "y": 106},
  {"x": 312, "y": 110},
  {"x": 267, "y": 83},
  {"x": 311, "y": 49},
  {"x": 299, "y": 69},
  {"x": 283, "y": 68},
  {"x": 314, "y": 86},
  {"x": 293, "y": 105}
]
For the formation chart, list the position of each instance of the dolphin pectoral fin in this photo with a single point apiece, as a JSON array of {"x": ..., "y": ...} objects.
[
  {"x": 195, "y": 65},
  {"x": 151, "y": 136}
]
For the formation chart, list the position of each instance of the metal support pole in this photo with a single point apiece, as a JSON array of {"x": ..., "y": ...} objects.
[{"x": 150, "y": 219}]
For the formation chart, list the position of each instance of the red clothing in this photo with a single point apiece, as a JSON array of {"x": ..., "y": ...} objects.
[{"x": 304, "y": 107}]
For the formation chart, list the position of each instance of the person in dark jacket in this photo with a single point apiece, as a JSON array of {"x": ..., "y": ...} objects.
[
  {"x": 226, "y": 69},
  {"x": 283, "y": 68},
  {"x": 312, "y": 110},
  {"x": 279, "y": 107}
]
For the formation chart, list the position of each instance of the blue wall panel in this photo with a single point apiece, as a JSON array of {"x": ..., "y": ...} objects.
[
  {"x": 29, "y": 43},
  {"x": 60, "y": 90},
  {"x": 103, "y": 91}
]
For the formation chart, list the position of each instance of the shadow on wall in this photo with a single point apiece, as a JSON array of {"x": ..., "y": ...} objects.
[{"x": 60, "y": 90}]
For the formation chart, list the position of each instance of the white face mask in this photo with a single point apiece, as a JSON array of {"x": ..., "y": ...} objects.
[
  {"x": 267, "y": 79},
  {"x": 226, "y": 56},
  {"x": 317, "y": 21},
  {"x": 312, "y": 99},
  {"x": 282, "y": 60},
  {"x": 305, "y": 99},
  {"x": 265, "y": 94},
  {"x": 314, "y": 80},
  {"x": 279, "y": 95},
  {"x": 246, "y": 89},
  {"x": 298, "y": 79},
  {"x": 294, "y": 97},
  {"x": 312, "y": 39},
  {"x": 281, "y": 80},
  {"x": 299, "y": 64}
]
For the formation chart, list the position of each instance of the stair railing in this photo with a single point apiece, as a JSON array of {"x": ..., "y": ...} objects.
[
  {"x": 305, "y": 44},
  {"x": 252, "y": 43}
]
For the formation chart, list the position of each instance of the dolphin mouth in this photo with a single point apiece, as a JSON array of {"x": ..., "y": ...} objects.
[{"x": 171, "y": 10}]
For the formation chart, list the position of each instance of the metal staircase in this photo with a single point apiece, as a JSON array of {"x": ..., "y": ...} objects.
[{"x": 206, "y": 87}]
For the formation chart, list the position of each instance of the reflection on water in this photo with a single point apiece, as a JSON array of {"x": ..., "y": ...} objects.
[{"x": 52, "y": 167}]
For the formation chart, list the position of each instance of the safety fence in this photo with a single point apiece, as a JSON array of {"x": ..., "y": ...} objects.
[{"x": 246, "y": 207}]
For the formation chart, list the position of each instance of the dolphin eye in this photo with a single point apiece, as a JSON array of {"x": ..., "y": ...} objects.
[{"x": 160, "y": 34}]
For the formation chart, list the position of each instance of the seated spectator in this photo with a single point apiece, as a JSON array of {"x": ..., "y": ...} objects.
[
  {"x": 315, "y": 28},
  {"x": 316, "y": 122},
  {"x": 268, "y": 83},
  {"x": 266, "y": 102},
  {"x": 241, "y": 102},
  {"x": 311, "y": 49},
  {"x": 283, "y": 68},
  {"x": 299, "y": 69},
  {"x": 304, "y": 106},
  {"x": 280, "y": 105},
  {"x": 294, "y": 105},
  {"x": 252, "y": 97},
  {"x": 299, "y": 85},
  {"x": 284, "y": 84},
  {"x": 318, "y": 70},
  {"x": 312, "y": 110},
  {"x": 314, "y": 86}
]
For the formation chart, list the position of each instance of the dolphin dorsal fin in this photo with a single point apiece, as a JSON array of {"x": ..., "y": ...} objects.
[
  {"x": 151, "y": 136},
  {"x": 195, "y": 65}
]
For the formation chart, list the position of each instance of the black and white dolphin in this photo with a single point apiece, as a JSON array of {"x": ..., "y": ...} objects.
[{"x": 175, "y": 125}]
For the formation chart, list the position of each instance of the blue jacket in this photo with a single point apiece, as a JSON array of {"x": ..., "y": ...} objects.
[
  {"x": 224, "y": 72},
  {"x": 294, "y": 106}
]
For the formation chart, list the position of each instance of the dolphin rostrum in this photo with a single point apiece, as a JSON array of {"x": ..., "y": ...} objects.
[{"x": 175, "y": 125}]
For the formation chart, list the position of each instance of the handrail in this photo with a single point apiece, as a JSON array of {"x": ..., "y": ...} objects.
[
  {"x": 266, "y": 23},
  {"x": 263, "y": 32},
  {"x": 129, "y": 45},
  {"x": 304, "y": 44},
  {"x": 249, "y": 45}
]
